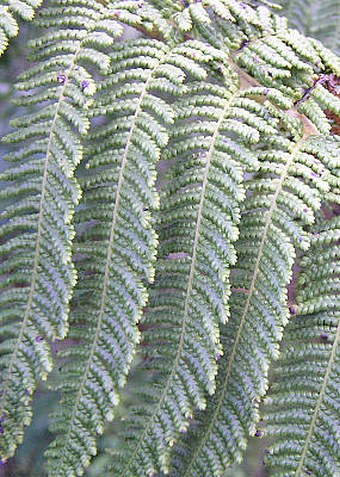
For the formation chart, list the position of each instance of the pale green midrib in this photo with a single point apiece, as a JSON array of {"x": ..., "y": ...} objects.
[
  {"x": 190, "y": 284},
  {"x": 107, "y": 260},
  {"x": 39, "y": 231},
  {"x": 322, "y": 393},
  {"x": 247, "y": 305}
]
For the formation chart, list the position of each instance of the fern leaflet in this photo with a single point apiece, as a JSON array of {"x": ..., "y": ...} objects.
[
  {"x": 319, "y": 19},
  {"x": 36, "y": 232},
  {"x": 9, "y": 10},
  {"x": 305, "y": 432},
  {"x": 119, "y": 244},
  {"x": 281, "y": 204}
]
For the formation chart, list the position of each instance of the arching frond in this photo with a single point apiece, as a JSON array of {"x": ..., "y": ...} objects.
[
  {"x": 274, "y": 217},
  {"x": 241, "y": 109},
  {"x": 302, "y": 414},
  {"x": 37, "y": 275},
  {"x": 197, "y": 225},
  {"x": 118, "y": 245}
]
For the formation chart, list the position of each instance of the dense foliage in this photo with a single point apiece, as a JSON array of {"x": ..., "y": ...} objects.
[{"x": 167, "y": 217}]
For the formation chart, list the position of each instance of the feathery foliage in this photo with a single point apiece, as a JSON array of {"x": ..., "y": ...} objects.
[
  {"x": 182, "y": 372},
  {"x": 302, "y": 415},
  {"x": 319, "y": 19},
  {"x": 190, "y": 274},
  {"x": 119, "y": 245},
  {"x": 39, "y": 200},
  {"x": 281, "y": 203},
  {"x": 9, "y": 11},
  {"x": 197, "y": 226}
]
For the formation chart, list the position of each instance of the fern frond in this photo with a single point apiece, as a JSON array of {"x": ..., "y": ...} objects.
[
  {"x": 190, "y": 17},
  {"x": 37, "y": 276},
  {"x": 274, "y": 217},
  {"x": 302, "y": 415},
  {"x": 266, "y": 52},
  {"x": 118, "y": 244},
  {"x": 300, "y": 68},
  {"x": 10, "y": 10},
  {"x": 197, "y": 225},
  {"x": 319, "y": 19}
]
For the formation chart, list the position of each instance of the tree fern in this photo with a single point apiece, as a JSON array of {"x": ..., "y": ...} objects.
[
  {"x": 305, "y": 432},
  {"x": 221, "y": 91},
  {"x": 281, "y": 204},
  {"x": 36, "y": 269},
  {"x": 197, "y": 220},
  {"x": 177, "y": 392},
  {"x": 190, "y": 288},
  {"x": 120, "y": 244}
]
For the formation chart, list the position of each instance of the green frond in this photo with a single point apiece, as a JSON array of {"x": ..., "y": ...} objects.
[
  {"x": 118, "y": 244},
  {"x": 302, "y": 412},
  {"x": 189, "y": 15},
  {"x": 37, "y": 276},
  {"x": 280, "y": 204},
  {"x": 191, "y": 272},
  {"x": 197, "y": 224},
  {"x": 319, "y": 19},
  {"x": 10, "y": 10},
  {"x": 283, "y": 59},
  {"x": 266, "y": 52}
]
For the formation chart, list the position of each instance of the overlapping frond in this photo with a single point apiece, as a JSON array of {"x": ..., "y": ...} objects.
[
  {"x": 302, "y": 415},
  {"x": 299, "y": 67},
  {"x": 319, "y": 19},
  {"x": 268, "y": 53},
  {"x": 211, "y": 143},
  {"x": 10, "y": 10},
  {"x": 190, "y": 16},
  {"x": 246, "y": 95},
  {"x": 285, "y": 59},
  {"x": 37, "y": 275},
  {"x": 118, "y": 244},
  {"x": 182, "y": 364},
  {"x": 279, "y": 206}
]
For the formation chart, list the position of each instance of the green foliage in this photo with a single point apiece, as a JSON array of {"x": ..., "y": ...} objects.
[
  {"x": 319, "y": 19},
  {"x": 39, "y": 200},
  {"x": 280, "y": 205},
  {"x": 197, "y": 225},
  {"x": 118, "y": 248},
  {"x": 186, "y": 270},
  {"x": 9, "y": 11},
  {"x": 302, "y": 411}
]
